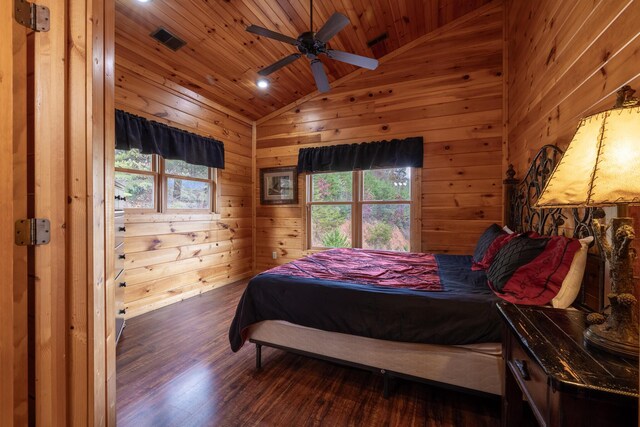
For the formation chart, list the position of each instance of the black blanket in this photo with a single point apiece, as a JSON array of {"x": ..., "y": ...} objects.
[{"x": 463, "y": 313}]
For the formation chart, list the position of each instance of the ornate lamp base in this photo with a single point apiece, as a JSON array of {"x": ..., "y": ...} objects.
[
  {"x": 612, "y": 341},
  {"x": 619, "y": 333}
]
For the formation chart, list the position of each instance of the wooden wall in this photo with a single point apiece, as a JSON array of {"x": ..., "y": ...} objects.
[
  {"x": 447, "y": 87},
  {"x": 173, "y": 257},
  {"x": 565, "y": 60}
]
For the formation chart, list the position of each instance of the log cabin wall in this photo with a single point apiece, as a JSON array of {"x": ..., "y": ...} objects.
[
  {"x": 565, "y": 60},
  {"x": 172, "y": 257},
  {"x": 447, "y": 88}
]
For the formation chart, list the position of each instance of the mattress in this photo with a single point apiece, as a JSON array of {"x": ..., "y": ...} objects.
[{"x": 460, "y": 310}]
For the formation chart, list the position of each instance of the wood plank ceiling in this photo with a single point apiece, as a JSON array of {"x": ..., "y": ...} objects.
[{"x": 221, "y": 60}]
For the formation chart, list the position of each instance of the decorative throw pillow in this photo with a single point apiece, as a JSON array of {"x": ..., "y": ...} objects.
[
  {"x": 492, "y": 251},
  {"x": 519, "y": 251},
  {"x": 495, "y": 246},
  {"x": 485, "y": 240},
  {"x": 539, "y": 281},
  {"x": 573, "y": 282}
]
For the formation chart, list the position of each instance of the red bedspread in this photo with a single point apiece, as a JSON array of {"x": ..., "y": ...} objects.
[{"x": 379, "y": 268}]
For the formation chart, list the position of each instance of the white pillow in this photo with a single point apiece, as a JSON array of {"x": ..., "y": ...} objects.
[
  {"x": 507, "y": 230},
  {"x": 571, "y": 284}
]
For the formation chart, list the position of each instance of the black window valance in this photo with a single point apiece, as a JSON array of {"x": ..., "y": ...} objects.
[
  {"x": 396, "y": 153},
  {"x": 171, "y": 143}
]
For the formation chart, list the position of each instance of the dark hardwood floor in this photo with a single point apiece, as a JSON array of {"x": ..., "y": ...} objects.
[{"x": 175, "y": 368}]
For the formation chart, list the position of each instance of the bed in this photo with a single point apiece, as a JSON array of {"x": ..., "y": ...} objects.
[{"x": 336, "y": 304}]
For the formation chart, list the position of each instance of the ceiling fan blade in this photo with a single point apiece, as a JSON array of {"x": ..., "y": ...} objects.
[
  {"x": 350, "y": 58},
  {"x": 271, "y": 34},
  {"x": 279, "y": 64},
  {"x": 336, "y": 22},
  {"x": 322, "y": 82}
]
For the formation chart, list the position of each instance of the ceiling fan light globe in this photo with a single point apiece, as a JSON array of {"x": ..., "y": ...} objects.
[{"x": 262, "y": 83}]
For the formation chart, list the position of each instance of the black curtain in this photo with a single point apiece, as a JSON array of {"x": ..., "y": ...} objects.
[
  {"x": 396, "y": 153},
  {"x": 171, "y": 143}
]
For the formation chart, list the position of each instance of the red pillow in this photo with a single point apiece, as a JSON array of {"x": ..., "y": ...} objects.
[
  {"x": 539, "y": 281},
  {"x": 495, "y": 246}
]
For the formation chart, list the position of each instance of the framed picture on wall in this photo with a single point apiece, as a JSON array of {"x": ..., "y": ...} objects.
[{"x": 279, "y": 186}]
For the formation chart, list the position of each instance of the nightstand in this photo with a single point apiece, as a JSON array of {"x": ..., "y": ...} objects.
[{"x": 565, "y": 383}]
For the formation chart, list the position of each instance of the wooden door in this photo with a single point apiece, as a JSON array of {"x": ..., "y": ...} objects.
[
  {"x": 32, "y": 184},
  {"x": 56, "y": 133}
]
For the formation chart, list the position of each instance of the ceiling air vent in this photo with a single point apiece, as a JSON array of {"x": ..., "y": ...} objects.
[
  {"x": 382, "y": 37},
  {"x": 171, "y": 41}
]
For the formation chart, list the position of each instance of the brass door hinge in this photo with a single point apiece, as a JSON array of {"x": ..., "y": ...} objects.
[
  {"x": 32, "y": 231},
  {"x": 32, "y": 15}
]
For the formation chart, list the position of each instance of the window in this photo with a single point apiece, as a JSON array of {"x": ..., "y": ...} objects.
[
  {"x": 187, "y": 186},
  {"x": 368, "y": 209},
  {"x": 139, "y": 174},
  {"x": 158, "y": 185}
]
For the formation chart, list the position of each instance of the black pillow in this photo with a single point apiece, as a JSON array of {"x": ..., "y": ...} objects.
[
  {"x": 485, "y": 240},
  {"x": 518, "y": 252}
]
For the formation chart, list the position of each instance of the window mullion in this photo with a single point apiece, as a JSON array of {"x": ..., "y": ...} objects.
[
  {"x": 330, "y": 203},
  {"x": 162, "y": 186},
  {"x": 213, "y": 190},
  {"x": 187, "y": 178},
  {"x": 356, "y": 213},
  {"x": 135, "y": 171},
  {"x": 307, "y": 197}
]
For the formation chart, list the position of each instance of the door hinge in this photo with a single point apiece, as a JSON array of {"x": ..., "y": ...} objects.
[
  {"x": 32, "y": 231},
  {"x": 32, "y": 15}
]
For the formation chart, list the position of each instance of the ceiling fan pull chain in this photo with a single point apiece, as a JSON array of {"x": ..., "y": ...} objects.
[{"x": 311, "y": 16}]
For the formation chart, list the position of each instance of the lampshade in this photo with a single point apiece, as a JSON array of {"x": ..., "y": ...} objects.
[{"x": 601, "y": 166}]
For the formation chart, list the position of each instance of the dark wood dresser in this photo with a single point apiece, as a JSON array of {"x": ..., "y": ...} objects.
[
  {"x": 119, "y": 259},
  {"x": 565, "y": 383}
]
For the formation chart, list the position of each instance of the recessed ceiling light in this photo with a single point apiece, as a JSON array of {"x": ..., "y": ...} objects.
[
  {"x": 263, "y": 83},
  {"x": 144, "y": 1}
]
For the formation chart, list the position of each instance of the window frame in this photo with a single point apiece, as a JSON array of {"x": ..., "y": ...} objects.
[
  {"x": 211, "y": 180},
  {"x": 160, "y": 188},
  {"x": 357, "y": 202},
  {"x": 153, "y": 172}
]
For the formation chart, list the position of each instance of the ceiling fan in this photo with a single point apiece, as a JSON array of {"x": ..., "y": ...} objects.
[{"x": 312, "y": 45}]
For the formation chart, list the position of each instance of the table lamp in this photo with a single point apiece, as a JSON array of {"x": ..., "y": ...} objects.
[{"x": 601, "y": 167}]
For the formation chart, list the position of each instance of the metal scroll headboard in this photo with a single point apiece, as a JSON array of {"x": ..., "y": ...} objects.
[{"x": 520, "y": 197}]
